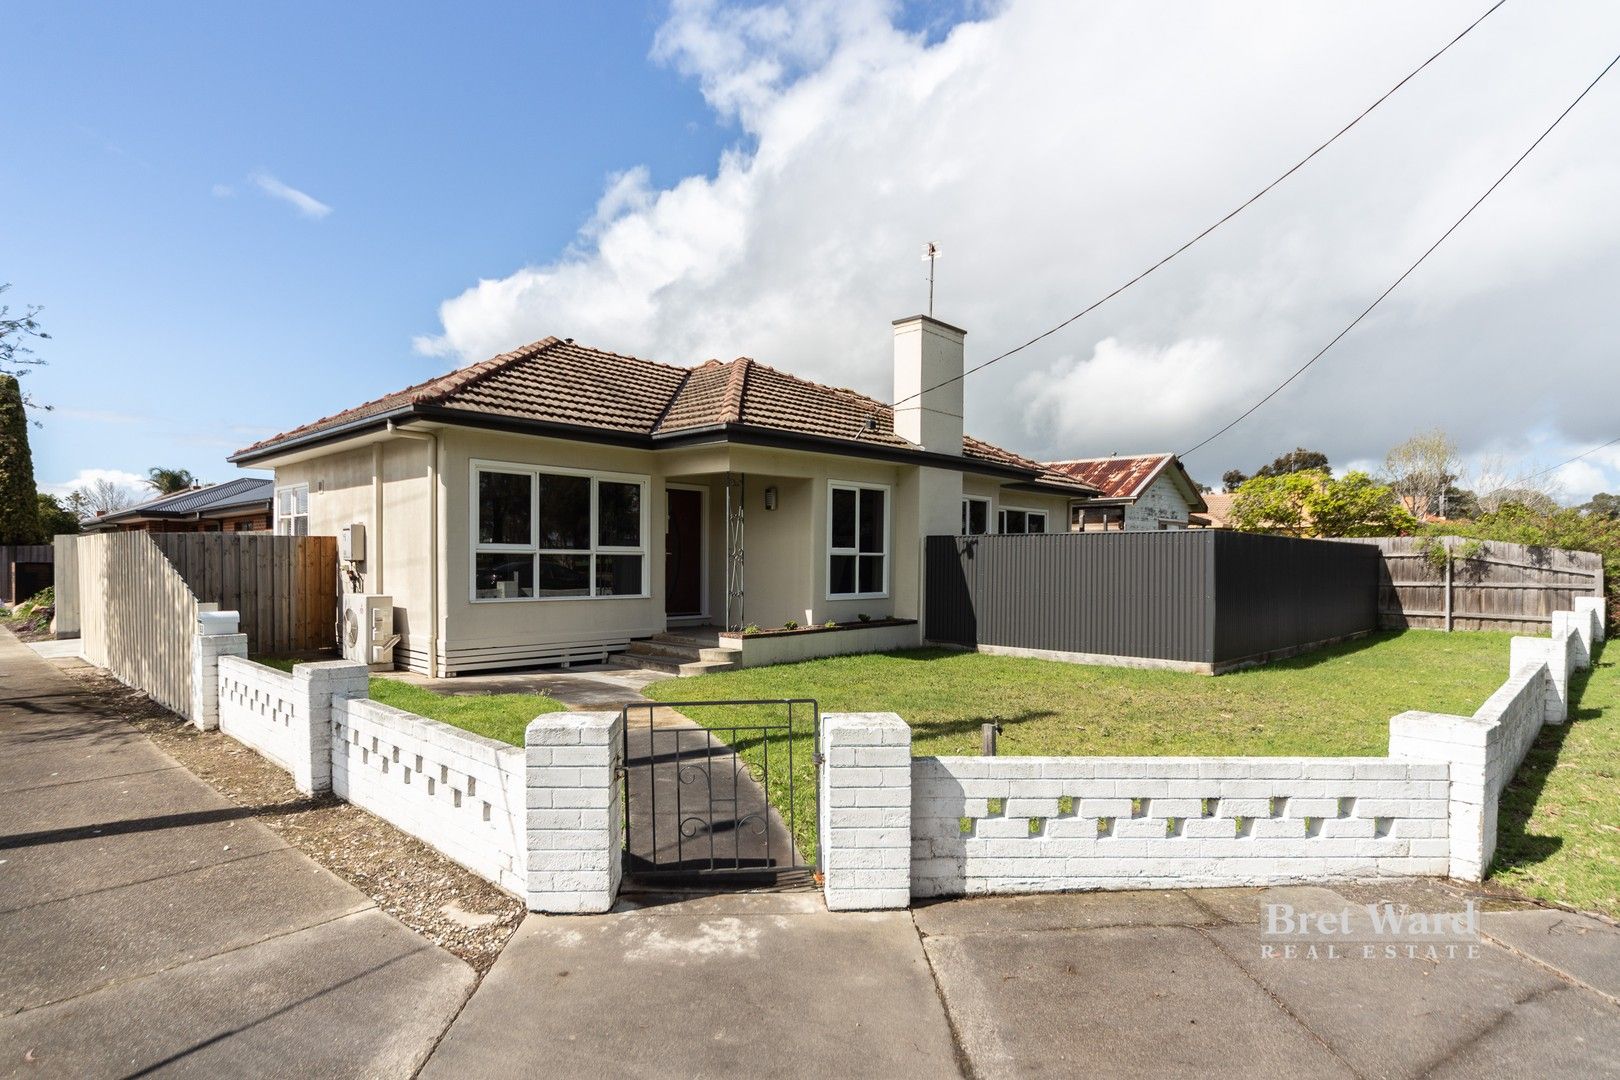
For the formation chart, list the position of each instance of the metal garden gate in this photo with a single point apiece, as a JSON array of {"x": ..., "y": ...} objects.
[{"x": 697, "y": 799}]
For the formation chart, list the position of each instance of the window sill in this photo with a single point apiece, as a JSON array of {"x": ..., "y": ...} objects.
[
  {"x": 835, "y": 597},
  {"x": 552, "y": 599}
]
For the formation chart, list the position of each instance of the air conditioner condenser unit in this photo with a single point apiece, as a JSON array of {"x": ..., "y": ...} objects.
[{"x": 368, "y": 630}]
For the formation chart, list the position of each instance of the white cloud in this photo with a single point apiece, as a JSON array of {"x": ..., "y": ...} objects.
[
  {"x": 1055, "y": 149},
  {"x": 304, "y": 203},
  {"x": 223, "y": 191},
  {"x": 134, "y": 483}
]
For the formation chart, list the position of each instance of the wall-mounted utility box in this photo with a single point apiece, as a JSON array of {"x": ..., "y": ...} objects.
[{"x": 352, "y": 543}]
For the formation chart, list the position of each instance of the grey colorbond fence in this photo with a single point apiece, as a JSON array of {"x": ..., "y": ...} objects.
[{"x": 1205, "y": 600}]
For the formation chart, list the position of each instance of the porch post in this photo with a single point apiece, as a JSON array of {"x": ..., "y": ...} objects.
[{"x": 735, "y": 488}]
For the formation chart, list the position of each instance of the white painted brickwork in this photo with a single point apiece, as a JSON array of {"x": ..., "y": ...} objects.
[
  {"x": 575, "y": 816},
  {"x": 460, "y": 793},
  {"x": 216, "y": 637},
  {"x": 257, "y": 709},
  {"x": 865, "y": 806},
  {"x": 1047, "y": 824}
]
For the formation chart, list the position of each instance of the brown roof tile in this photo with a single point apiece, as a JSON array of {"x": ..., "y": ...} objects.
[
  {"x": 1115, "y": 477},
  {"x": 563, "y": 383}
]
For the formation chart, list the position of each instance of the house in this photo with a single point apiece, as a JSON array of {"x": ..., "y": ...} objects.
[
  {"x": 1143, "y": 492},
  {"x": 557, "y": 502},
  {"x": 1217, "y": 513},
  {"x": 240, "y": 505}
]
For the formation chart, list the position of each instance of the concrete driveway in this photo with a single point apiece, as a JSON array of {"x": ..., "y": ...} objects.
[{"x": 1177, "y": 984}]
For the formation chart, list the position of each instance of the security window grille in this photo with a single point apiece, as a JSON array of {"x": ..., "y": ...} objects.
[
  {"x": 1023, "y": 521},
  {"x": 548, "y": 534},
  {"x": 858, "y": 542},
  {"x": 975, "y": 516},
  {"x": 292, "y": 511}
]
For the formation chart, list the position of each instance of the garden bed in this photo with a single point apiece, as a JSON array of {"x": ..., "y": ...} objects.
[{"x": 761, "y": 648}]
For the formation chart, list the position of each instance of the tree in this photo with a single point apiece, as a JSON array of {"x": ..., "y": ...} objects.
[
  {"x": 19, "y": 500},
  {"x": 1357, "y": 505},
  {"x": 1312, "y": 503},
  {"x": 1422, "y": 470},
  {"x": 16, "y": 356},
  {"x": 169, "y": 481},
  {"x": 99, "y": 497},
  {"x": 54, "y": 518},
  {"x": 1296, "y": 460},
  {"x": 1537, "y": 502},
  {"x": 1602, "y": 504},
  {"x": 1501, "y": 482},
  {"x": 1232, "y": 479}
]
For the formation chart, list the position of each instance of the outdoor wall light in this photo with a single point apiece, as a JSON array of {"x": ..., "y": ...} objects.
[{"x": 770, "y": 498}]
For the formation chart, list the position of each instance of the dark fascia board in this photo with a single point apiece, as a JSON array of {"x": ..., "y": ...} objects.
[{"x": 744, "y": 434}]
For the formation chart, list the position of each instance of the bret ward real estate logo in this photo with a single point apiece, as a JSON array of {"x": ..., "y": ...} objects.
[{"x": 1379, "y": 931}]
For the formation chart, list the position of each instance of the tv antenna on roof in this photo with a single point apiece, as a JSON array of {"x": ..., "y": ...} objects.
[{"x": 930, "y": 253}]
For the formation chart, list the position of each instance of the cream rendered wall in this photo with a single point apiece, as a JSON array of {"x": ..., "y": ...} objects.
[
  {"x": 517, "y": 631},
  {"x": 342, "y": 492}
]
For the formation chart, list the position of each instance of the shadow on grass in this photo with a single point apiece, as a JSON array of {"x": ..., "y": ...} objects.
[{"x": 1516, "y": 845}]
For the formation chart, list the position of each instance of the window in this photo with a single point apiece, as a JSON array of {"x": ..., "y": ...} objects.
[
  {"x": 1097, "y": 518},
  {"x": 975, "y": 516},
  {"x": 551, "y": 534},
  {"x": 292, "y": 511},
  {"x": 1022, "y": 521},
  {"x": 858, "y": 541}
]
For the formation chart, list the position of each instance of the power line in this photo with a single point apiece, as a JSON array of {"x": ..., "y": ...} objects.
[
  {"x": 1408, "y": 271},
  {"x": 1577, "y": 457},
  {"x": 1250, "y": 201}
]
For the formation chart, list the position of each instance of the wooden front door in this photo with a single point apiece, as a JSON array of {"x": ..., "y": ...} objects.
[{"x": 683, "y": 554}]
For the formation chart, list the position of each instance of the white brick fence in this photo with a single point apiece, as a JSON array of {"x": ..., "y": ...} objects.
[
  {"x": 545, "y": 821},
  {"x": 1049, "y": 824}
]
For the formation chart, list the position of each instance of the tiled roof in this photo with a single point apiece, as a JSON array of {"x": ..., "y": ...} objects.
[{"x": 559, "y": 382}]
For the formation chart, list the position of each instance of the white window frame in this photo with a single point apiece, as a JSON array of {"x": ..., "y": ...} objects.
[
  {"x": 278, "y": 518},
  {"x": 1001, "y": 520},
  {"x": 989, "y": 512},
  {"x": 533, "y": 548},
  {"x": 888, "y": 540}
]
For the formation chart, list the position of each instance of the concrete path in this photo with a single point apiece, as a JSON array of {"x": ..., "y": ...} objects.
[
  {"x": 589, "y": 689},
  {"x": 150, "y": 926},
  {"x": 760, "y": 985}
]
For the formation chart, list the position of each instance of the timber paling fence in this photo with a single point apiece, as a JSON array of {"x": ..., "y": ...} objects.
[
  {"x": 139, "y": 594},
  {"x": 1204, "y": 600},
  {"x": 1483, "y": 585}
]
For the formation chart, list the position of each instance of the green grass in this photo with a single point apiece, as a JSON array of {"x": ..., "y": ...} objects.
[
  {"x": 504, "y": 717},
  {"x": 1558, "y": 837},
  {"x": 1335, "y": 701}
]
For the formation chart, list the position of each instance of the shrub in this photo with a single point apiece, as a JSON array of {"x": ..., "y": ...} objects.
[
  {"x": 864, "y": 617},
  {"x": 830, "y": 624},
  {"x": 751, "y": 628},
  {"x": 790, "y": 625}
]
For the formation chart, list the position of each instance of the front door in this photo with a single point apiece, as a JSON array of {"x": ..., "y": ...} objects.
[{"x": 683, "y": 554}]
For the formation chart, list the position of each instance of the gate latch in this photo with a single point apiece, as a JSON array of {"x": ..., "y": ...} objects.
[{"x": 818, "y": 759}]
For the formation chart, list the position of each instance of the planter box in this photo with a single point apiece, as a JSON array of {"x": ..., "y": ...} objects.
[{"x": 812, "y": 642}]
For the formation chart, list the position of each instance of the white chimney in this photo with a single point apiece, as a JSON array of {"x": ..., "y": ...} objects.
[{"x": 928, "y": 383}]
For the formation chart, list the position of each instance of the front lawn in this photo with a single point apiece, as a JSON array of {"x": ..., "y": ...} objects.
[
  {"x": 504, "y": 717},
  {"x": 1558, "y": 837},
  {"x": 1335, "y": 701}
]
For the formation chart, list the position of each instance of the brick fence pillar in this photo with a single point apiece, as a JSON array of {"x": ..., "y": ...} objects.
[
  {"x": 216, "y": 637},
  {"x": 866, "y": 811},
  {"x": 314, "y": 688},
  {"x": 1465, "y": 744},
  {"x": 1591, "y": 607},
  {"x": 575, "y": 816}
]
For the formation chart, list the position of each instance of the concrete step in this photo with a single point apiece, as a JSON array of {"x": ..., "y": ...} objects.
[
  {"x": 720, "y": 656},
  {"x": 666, "y": 664},
  {"x": 663, "y": 650},
  {"x": 706, "y": 667}
]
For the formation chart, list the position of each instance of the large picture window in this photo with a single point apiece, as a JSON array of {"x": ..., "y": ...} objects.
[
  {"x": 858, "y": 541},
  {"x": 292, "y": 511},
  {"x": 553, "y": 534},
  {"x": 1022, "y": 521}
]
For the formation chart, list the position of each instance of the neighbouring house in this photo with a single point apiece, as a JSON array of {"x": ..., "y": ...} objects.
[
  {"x": 240, "y": 505},
  {"x": 1217, "y": 513},
  {"x": 557, "y": 502},
  {"x": 1143, "y": 492}
]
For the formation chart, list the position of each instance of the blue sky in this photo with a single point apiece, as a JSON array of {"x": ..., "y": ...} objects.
[
  {"x": 188, "y": 320},
  {"x": 238, "y": 218}
]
